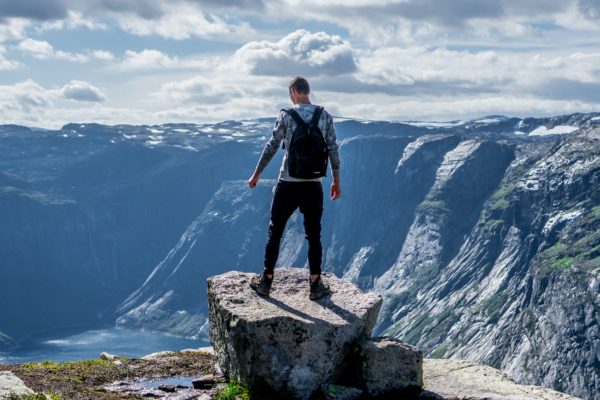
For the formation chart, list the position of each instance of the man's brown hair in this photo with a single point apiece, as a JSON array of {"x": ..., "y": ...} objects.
[{"x": 300, "y": 85}]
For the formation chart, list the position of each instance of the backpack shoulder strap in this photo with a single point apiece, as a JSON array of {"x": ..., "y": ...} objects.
[
  {"x": 316, "y": 116},
  {"x": 294, "y": 114}
]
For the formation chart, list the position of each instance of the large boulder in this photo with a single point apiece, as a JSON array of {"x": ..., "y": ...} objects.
[
  {"x": 285, "y": 344},
  {"x": 386, "y": 366}
]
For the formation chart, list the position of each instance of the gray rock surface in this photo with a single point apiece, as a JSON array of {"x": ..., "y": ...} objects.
[
  {"x": 457, "y": 379},
  {"x": 11, "y": 384},
  {"x": 385, "y": 365},
  {"x": 286, "y": 343}
]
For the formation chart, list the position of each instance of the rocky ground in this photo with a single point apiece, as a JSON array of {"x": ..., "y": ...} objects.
[
  {"x": 120, "y": 378},
  {"x": 89, "y": 379}
]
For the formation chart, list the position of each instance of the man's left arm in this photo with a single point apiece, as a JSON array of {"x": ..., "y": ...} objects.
[{"x": 334, "y": 158}]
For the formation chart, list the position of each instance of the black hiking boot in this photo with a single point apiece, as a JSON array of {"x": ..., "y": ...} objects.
[
  {"x": 261, "y": 284},
  {"x": 318, "y": 289}
]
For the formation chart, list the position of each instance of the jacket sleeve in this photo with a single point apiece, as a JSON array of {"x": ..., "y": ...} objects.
[
  {"x": 272, "y": 145},
  {"x": 332, "y": 146}
]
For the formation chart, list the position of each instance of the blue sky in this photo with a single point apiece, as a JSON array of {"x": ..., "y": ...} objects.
[{"x": 153, "y": 61}]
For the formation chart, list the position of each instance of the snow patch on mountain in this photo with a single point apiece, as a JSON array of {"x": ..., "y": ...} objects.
[{"x": 557, "y": 130}]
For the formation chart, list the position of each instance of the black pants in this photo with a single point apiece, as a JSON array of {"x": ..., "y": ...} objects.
[{"x": 308, "y": 196}]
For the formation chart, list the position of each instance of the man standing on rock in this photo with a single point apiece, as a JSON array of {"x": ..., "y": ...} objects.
[{"x": 309, "y": 141}]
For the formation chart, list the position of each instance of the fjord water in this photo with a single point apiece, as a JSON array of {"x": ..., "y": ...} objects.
[{"x": 89, "y": 344}]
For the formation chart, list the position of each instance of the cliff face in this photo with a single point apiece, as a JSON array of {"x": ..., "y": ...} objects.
[
  {"x": 522, "y": 292},
  {"x": 482, "y": 241}
]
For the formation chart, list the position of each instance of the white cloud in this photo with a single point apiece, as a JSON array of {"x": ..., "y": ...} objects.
[
  {"x": 82, "y": 91},
  {"x": 103, "y": 55},
  {"x": 44, "y": 50},
  {"x": 183, "y": 21},
  {"x": 74, "y": 20},
  {"x": 199, "y": 89},
  {"x": 6, "y": 64},
  {"x": 12, "y": 28},
  {"x": 23, "y": 98},
  {"x": 152, "y": 59},
  {"x": 147, "y": 59},
  {"x": 299, "y": 53}
]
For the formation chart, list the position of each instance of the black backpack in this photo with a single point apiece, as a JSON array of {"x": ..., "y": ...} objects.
[{"x": 307, "y": 152}]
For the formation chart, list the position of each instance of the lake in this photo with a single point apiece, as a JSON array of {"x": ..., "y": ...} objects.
[{"x": 89, "y": 344}]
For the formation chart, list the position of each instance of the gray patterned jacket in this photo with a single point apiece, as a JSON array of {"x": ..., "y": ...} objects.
[{"x": 284, "y": 129}]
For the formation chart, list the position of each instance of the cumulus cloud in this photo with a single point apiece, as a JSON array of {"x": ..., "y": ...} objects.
[
  {"x": 72, "y": 20},
  {"x": 12, "y": 28},
  {"x": 147, "y": 59},
  {"x": 152, "y": 59},
  {"x": 103, "y": 55},
  {"x": 177, "y": 19},
  {"x": 82, "y": 91},
  {"x": 6, "y": 64},
  {"x": 44, "y": 50},
  {"x": 199, "y": 89},
  {"x": 24, "y": 97},
  {"x": 299, "y": 53},
  {"x": 183, "y": 21}
]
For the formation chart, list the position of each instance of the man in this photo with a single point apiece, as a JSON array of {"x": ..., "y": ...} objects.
[{"x": 293, "y": 192}]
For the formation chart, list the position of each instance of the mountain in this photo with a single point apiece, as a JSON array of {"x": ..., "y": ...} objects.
[{"x": 480, "y": 235}]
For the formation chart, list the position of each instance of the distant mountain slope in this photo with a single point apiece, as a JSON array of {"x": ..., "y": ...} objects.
[{"x": 481, "y": 235}]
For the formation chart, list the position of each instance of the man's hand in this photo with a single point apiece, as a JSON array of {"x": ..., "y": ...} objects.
[
  {"x": 336, "y": 192},
  {"x": 253, "y": 179}
]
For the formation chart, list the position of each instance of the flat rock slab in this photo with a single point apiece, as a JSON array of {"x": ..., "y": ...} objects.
[
  {"x": 286, "y": 343},
  {"x": 457, "y": 379},
  {"x": 12, "y": 384},
  {"x": 385, "y": 365}
]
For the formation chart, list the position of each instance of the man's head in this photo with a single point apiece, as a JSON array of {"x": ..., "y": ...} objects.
[{"x": 299, "y": 90}]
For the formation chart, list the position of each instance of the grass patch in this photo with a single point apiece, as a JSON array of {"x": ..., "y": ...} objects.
[
  {"x": 562, "y": 263},
  {"x": 36, "y": 396},
  {"x": 595, "y": 212},
  {"x": 500, "y": 200},
  {"x": 491, "y": 224},
  {"x": 233, "y": 391},
  {"x": 439, "y": 352},
  {"x": 433, "y": 206},
  {"x": 492, "y": 306},
  {"x": 83, "y": 380}
]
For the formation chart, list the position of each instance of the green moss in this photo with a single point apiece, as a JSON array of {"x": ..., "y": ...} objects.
[
  {"x": 492, "y": 306},
  {"x": 438, "y": 326},
  {"x": 233, "y": 391},
  {"x": 54, "y": 366},
  {"x": 491, "y": 224},
  {"x": 36, "y": 396},
  {"x": 439, "y": 352},
  {"x": 334, "y": 389},
  {"x": 500, "y": 200},
  {"x": 433, "y": 206},
  {"x": 562, "y": 263},
  {"x": 557, "y": 249},
  {"x": 414, "y": 333},
  {"x": 595, "y": 212}
]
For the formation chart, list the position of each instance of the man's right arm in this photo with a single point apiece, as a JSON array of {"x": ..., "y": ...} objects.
[{"x": 269, "y": 150}]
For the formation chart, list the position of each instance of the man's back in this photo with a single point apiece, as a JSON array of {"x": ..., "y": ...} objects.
[{"x": 283, "y": 131}]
